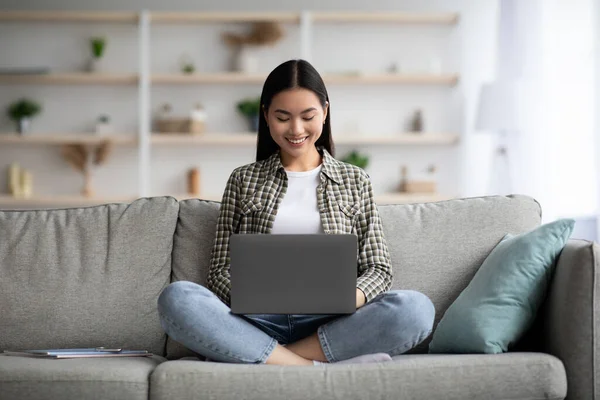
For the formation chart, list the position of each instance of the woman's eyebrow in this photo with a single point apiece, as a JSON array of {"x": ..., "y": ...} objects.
[{"x": 289, "y": 113}]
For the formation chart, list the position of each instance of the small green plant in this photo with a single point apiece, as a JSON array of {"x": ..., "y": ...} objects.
[
  {"x": 188, "y": 69},
  {"x": 23, "y": 108},
  {"x": 98, "y": 45},
  {"x": 355, "y": 158},
  {"x": 249, "y": 107}
]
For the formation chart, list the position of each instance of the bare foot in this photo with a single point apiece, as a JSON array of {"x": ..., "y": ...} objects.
[{"x": 282, "y": 356}]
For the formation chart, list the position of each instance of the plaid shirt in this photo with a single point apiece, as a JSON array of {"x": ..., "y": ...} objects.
[{"x": 346, "y": 205}]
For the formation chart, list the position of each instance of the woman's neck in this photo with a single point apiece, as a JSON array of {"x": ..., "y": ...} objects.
[{"x": 299, "y": 164}]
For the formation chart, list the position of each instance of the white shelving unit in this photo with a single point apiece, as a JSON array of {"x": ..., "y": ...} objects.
[{"x": 145, "y": 139}]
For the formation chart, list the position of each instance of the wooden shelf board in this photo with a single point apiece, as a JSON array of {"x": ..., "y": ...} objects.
[
  {"x": 407, "y": 79},
  {"x": 70, "y": 78},
  {"x": 69, "y": 16},
  {"x": 390, "y": 17},
  {"x": 233, "y": 77},
  {"x": 249, "y": 138},
  {"x": 194, "y": 17},
  {"x": 221, "y": 77},
  {"x": 59, "y": 138}
]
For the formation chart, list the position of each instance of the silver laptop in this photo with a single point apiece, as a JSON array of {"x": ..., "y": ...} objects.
[{"x": 293, "y": 274}]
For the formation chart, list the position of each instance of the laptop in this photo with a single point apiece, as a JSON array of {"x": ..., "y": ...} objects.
[{"x": 293, "y": 274}]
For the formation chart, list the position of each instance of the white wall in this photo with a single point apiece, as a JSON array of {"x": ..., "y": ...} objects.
[{"x": 466, "y": 49}]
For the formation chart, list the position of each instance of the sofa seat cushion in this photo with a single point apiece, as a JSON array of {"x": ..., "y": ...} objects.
[
  {"x": 509, "y": 376},
  {"x": 27, "y": 378}
]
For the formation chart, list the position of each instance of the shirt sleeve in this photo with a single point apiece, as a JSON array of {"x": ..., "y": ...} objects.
[
  {"x": 374, "y": 263},
  {"x": 219, "y": 278}
]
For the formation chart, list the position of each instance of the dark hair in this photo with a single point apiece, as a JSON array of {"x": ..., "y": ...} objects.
[{"x": 289, "y": 75}]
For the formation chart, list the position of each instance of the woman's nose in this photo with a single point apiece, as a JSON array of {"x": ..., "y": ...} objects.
[{"x": 297, "y": 126}]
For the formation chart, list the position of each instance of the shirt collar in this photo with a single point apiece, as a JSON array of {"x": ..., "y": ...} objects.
[{"x": 331, "y": 166}]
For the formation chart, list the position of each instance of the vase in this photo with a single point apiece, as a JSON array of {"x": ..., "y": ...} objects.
[
  {"x": 253, "y": 123},
  {"x": 246, "y": 61},
  {"x": 94, "y": 65},
  {"x": 23, "y": 125}
]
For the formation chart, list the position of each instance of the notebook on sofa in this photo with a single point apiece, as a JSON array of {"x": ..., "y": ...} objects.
[{"x": 78, "y": 353}]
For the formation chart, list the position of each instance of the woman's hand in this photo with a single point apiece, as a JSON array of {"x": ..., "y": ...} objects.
[{"x": 360, "y": 298}]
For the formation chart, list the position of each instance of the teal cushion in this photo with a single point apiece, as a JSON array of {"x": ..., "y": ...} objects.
[{"x": 501, "y": 301}]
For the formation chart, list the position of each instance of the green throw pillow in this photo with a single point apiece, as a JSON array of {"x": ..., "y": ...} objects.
[{"x": 501, "y": 302}]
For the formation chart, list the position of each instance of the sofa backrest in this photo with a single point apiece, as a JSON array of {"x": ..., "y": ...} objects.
[
  {"x": 86, "y": 277},
  {"x": 436, "y": 248}
]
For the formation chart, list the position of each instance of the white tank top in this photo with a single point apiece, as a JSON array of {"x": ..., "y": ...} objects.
[{"x": 298, "y": 212}]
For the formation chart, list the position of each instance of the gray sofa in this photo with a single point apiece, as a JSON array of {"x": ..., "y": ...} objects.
[{"x": 86, "y": 277}]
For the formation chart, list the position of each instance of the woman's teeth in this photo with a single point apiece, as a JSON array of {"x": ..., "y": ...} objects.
[{"x": 297, "y": 141}]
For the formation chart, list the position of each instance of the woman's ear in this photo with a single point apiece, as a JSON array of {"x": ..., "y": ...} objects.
[{"x": 325, "y": 110}]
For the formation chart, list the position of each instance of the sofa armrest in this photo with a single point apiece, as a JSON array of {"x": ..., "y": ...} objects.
[{"x": 571, "y": 317}]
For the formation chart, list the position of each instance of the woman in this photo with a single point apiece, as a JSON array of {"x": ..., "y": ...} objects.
[{"x": 296, "y": 186}]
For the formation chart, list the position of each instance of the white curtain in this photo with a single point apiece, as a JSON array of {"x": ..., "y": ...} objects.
[{"x": 548, "y": 46}]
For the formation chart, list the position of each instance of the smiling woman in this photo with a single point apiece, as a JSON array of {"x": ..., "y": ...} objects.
[{"x": 296, "y": 186}]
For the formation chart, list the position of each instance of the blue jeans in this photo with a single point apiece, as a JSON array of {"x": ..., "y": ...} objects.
[{"x": 392, "y": 323}]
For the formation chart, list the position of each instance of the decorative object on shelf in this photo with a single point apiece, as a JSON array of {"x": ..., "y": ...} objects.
[
  {"x": 262, "y": 34},
  {"x": 187, "y": 64},
  {"x": 84, "y": 158},
  {"x": 103, "y": 125},
  {"x": 193, "y": 182},
  {"x": 416, "y": 122},
  {"x": 427, "y": 185},
  {"x": 21, "y": 113},
  {"x": 394, "y": 68},
  {"x": 165, "y": 122},
  {"x": 97, "y": 46},
  {"x": 20, "y": 182},
  {"x": 197, "y": 119},
  {"x": 356, "y": 158},
  {"x": 250, "y": 108}
]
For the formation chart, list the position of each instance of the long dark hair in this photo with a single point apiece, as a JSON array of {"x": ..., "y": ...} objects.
[{"x": 289, "y": 75}]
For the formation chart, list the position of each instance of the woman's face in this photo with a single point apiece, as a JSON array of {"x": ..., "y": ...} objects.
[{"x": 295, "y": 118}]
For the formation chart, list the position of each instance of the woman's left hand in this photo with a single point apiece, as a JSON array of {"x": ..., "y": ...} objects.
[{"x": 360, "y": 298}]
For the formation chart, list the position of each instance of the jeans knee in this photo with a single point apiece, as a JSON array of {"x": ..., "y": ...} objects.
[
  {"x": 174, "y": 294},
  {"x": 413, "y": 308}
]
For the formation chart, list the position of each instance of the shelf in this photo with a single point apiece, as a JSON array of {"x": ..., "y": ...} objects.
[
  {"x": 60, "y": 201},
  {"x": 391, "y": 17},
  {"x": 406, "y": 79},
  {"x": 222, "y": 77},
  {"x": 249, "y": 138},
  {"x": 194, "y": 17},
  {"x": 59, "y": 139},
  {"x": 68, "y": 16},
  {"x": 234, "y": 77},
  {"x": 74, "y": 78},
  {"x": 388, "y": 198}
]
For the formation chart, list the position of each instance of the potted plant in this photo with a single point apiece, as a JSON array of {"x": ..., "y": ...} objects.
[
  {"x": 250, "y": 108},
  {"x": 21, "y": 113},
  {"x": 355, "y": 158},
  {"x": 103, "y": 125},
  {"x": 97, "y": 47}
]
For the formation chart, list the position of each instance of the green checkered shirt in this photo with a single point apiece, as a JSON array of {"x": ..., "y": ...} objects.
[{"x": 345, "y": 199}]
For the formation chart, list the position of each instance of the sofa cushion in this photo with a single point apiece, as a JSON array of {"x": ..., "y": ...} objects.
[
  {"x": 192, "y": 245},
  {"x": 107, "y": 378},
  {"x": 436, "y": 248},
  {"x": 501, "y": 302},
  {"x": 86, "y": 277},
  {"x": 446, "y": 377}
]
